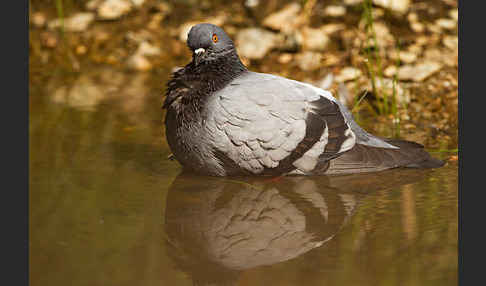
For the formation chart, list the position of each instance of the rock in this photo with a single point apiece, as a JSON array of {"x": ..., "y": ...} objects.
[
  {"x": 139, "y": 62},
  {"x": 445, "y": 23},
  {"x": 335, "y": 11},
  {"x": 405, "y": 57},
  {"x": 352, "y": 2},
  {"x": 48, "y": 39},
  {"x": 92, "y": 4},
  {"x": 385, "y": 86},
  {"x": 286, "y": 19},
  {"x": 412, "y": 17},
  {"x": 139, "y": 36},
  {"x": 113, "y": 9},
  {"x": 314, "y": 39},
  {"x": 285, "y": 58},
  {"x": 383, "y": 36},
  {"x": 451, "y": 42},
  {"x": 330, "y": 29},
  {"x": 146, "y": 49},
  {"x": 308, "y": 61},
  {"x": 434, "y": 28},
  {"x": 81, "y": 50},
  {"x": 399, "y": 6},
  {"x": 38, "y": 19},
  {"x": 390, "y": 71},
  {"x": 454, "y": 14},
  {"x": 442, "y": 56},
  {"x": 377, "y": 13},
  {"x": 252, "y": 3},
  {"x": 77, "y": 23},
  {"x": 417, "y": 27},
  {"x": 415, "y": 48},
  {"x": 348, "y": 73},
  {"x": 289, "y": 41},
  {"x": 138, "y": 3},
  {"x": 154, "y": 23},
  {"x": 418, "y": 72},
  {"x": 254, "y": 43}
]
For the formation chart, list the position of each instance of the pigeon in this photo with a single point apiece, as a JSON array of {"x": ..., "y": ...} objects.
[{"x": 224, "y": 120}]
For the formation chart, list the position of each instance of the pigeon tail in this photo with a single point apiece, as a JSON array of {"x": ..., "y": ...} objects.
[{"x": 362, "y": 158}]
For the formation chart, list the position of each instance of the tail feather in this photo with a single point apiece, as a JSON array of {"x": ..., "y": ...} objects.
[{"x": 363, "y": 159}]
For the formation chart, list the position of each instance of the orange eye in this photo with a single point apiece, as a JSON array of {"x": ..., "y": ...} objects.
[{"x": 215, "y": 38}]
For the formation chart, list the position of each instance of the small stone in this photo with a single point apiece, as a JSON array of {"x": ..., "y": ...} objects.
[
  {"x": 290, "y": 41},
  {"x": 434, "y": 28},
  {"x": 406, "y": 57},
  {"x": 48, "y": 40},
  {"x": 389, "y": 86},
  {"x": 335, "y": 11},
  {"x": 38, "y": 19},
  {"x": 352, "y": 2},
  {"x": 451, "y": 42},
  {"x": 445, "y": 23},
  {"x": 331, "y": 60},
  {"x": 138, "y": 36},
  {"x": 421, "y": 40},
  {"x": 314, "y": 39},
  {"x": 285, "y": 19},
  {"x": 81, "y": 50},
  {"x": 383, "y": 36},
  {"x": 399, "y": 6},
  {"x": 348, "y": 73},
  {"x": 414, "y": 48},
  {"x": 285, "y": 58},
  {"x": 454, "y": 14},
  {"x": 92, "y": 4},
  {"x": 138, "y": 3},
  {"x": 330, "y": 29},
  {"x": 77, "y": 23},
  {"x": 146, "y": 49},
  {"x": 252, "y": 3},
  {"x": 254, "y": 43},
  {"x": 390, "y": 71},
  {"x": 113, "y": 9},
  {"x": 377, "y": 13},
  {"x": 418, "y": 72},
  {"x": 139, "y": 62},
  {"x": 308, "y": 61},
  {"x": 412, "y": 17},
  {"x": 417, "y": 27},
  {"x": 154, "y": 23},
  {"x": 163, "y": 7}
]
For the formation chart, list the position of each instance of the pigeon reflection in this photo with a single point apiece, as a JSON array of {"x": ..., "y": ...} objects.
[{"x": 217, "y": 227}]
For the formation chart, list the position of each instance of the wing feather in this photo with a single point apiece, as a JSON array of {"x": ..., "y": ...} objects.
[{"x": 267, "y": 124}]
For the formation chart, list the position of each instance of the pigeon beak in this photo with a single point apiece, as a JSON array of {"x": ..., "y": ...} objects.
[
  {"x": 198, "y": 55},
  {"x": 199, "y": 51}
]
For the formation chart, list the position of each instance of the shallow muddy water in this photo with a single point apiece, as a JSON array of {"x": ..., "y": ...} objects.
[{"x": 108, "y": 208}]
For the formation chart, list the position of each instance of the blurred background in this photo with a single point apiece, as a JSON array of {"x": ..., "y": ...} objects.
[
  {"x": 106, "y": 207},
  {"x": 394, "y": 61}
]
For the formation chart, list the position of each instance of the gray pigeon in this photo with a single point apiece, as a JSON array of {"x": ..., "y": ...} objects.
[{"x": 225, "y": 120}]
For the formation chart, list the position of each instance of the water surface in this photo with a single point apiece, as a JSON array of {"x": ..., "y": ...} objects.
[{"x": 108, "y": 208}]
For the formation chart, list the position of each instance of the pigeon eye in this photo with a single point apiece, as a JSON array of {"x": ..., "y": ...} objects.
[{"x": 215, "y": 38}]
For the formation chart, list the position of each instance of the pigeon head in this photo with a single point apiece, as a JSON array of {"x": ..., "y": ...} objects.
[{"x": 209, "y": 42}]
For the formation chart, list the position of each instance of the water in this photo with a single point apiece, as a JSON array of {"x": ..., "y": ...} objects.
[{"x": 108, "y": 208}]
